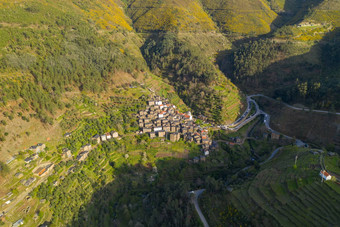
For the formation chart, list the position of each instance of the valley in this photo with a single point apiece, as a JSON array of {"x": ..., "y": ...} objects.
[{"x": 170, "y": 113}]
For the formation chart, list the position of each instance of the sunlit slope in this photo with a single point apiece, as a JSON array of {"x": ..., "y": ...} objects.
[
  {"x": 106, "y": 13},
  {"x": 169, "y": 15},
  {"x": 241, "y": 16},
  {"x": 327, "y": 12}
]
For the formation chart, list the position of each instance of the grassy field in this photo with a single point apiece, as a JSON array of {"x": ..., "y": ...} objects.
[{"x": 280, "y": 194}]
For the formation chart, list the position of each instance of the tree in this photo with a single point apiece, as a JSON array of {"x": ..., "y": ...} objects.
[{"x": 4, "y": 168}]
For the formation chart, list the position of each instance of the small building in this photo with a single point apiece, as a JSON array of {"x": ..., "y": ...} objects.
[
  {"x": 158, "y": 103},
  {"x": 205, "y": 141},
  {"x": 114, "y": 134},
  {"x": 202, "y": 158},
  {"x": 146, "y": 130},
  {"x": 156, "y": 129},
  {"x": 161, "y": 133},
  {"x": 40, "y": 147},
  {"x": 151, "y": 102},
  {"x": 82, "y": 156},
  {"x": 103, "y": 137},
  {"x": 174, "y": 137},
  {"x": 29, "y": 159},
  {"x": 237, "y": 140},
  {"x": 68, "y": 134},
  {"x": 67, "y": 153},
  {"x": 152, "y": 135},
  {"x": 108, "y": 136},
  {"x": 206, "y": 152},
  {"x": 18, "y": 223},
  {"x": 325, "y": 175},
  {"x": 173, "y": 129},
  {"x": 196, "y": 159},
  {"x": 275, "y": 136},
  {"x": 96, "y": 138},
  {"x": 167, "y": 128},
  {"x": 86, "y": 147},
  {"x": 19, "y": 175}
]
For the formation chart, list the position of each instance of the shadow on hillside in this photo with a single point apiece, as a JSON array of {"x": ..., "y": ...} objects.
[
  {"x": 311, "y": 78},
  {"x": 293, "y": 12},
  {"x": 143, "y": 196}
]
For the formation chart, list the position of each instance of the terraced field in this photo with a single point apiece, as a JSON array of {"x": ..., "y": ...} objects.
[
  {"x": 291, "y": 196},
  {"x": 281, "y": 195}
]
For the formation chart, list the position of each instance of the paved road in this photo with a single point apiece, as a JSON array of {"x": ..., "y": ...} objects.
[
  {"x": 268, "y": 159},
  {"x": 272, "y": 155},
  {"x": 197, "y": 193},
  {"x": 293, "y": 107},
  {"x": 244, "y": 119}
]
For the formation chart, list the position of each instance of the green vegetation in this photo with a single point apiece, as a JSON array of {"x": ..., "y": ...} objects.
[
  {"x": 187, "y": 16},
  {"x": 4, "y": 169},
  {"x": 87, "y": 67},
  {"x": 248, "y": 17},
  {"x": 252, "y": 58},
  {"x": 54, "y": 46},
  {"x": 189, "y": 72},
  {"x": 278, "y": 195}
]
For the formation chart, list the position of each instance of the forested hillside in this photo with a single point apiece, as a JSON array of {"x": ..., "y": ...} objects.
[
  {"x": 75, "y": 72},
  {"x": 169, "y": 15},
  {"x": 249, "y": 17},
  {"x": 297, "y": 63}
]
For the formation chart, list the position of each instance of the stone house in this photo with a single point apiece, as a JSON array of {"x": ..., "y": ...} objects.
[
  {"x": 152, "y": 135},
  {"x": 146, "y": 130},
  {"x": 103, "y": 137},
  {"x": 114, "y": 134},
  {"x": 96, "y": 138},
  {"x": 161, "y": 133}
]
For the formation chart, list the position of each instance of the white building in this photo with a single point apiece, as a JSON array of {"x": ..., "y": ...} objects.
[
  {"x": 325, "y": 175},
  {"x": 157, "y": 129},
  {"x": 103, "y": 137},
  {"x": 114, "y": 134}
]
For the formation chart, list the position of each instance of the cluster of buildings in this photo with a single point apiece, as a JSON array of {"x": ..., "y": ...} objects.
[
  {"x": 162, "y": 119},
  {"x": 105, "y": 136},
  {"x": 85, "y": 150},
  {"x": 37, "y": 148},
  {"x": 28, "y": 182},
  {"x": 40, "y": 147}
]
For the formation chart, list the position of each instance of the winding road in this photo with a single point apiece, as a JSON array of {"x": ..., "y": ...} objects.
[
  {"x": 196, "y": 194},
  {"x": 243, "y": 120}
]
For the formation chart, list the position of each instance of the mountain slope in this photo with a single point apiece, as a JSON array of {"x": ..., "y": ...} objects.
[
  {"x": 169, "y": 15},
  {"x": 242, "y": 17}
]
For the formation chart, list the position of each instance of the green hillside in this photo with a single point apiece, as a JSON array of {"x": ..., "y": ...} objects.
[
  {"x": 241, "y": 17},
  {"x": 279, "y": 194},
  {"x": 169, "y": 15},
  {"x": 187, "y": 68}
]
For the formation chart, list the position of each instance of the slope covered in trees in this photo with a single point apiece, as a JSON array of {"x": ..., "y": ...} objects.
[
  {"x": 241, "y": 17},
  {"x": 169, "y": 15},
  {"x": 57, "y": 50},
  {"x": 198, "y": 82}
]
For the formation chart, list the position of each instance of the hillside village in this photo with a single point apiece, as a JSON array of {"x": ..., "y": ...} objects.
[{"x": 162, "y": 119}]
